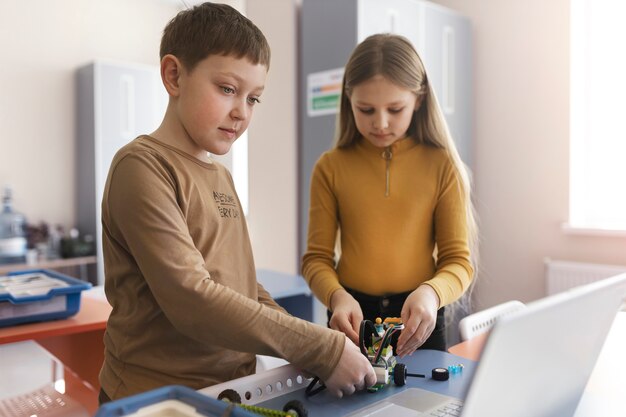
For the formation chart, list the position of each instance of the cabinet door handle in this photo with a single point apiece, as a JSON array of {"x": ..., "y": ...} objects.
[
  {"x": 447, "y": 67},
  {"x": 127, "y": 106},
  {"x": 392, "y": 17}
]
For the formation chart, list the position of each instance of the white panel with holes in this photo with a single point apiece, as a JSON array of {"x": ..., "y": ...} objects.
[{"x": 264, "y": 386}]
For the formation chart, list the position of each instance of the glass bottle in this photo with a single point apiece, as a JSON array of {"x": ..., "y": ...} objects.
[{"x": 12, "y": 232}]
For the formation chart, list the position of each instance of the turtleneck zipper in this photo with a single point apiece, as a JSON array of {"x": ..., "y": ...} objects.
[{"x": 387, "y": 155}]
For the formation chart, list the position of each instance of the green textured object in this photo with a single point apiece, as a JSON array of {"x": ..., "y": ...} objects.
[
  {"x": 376, "y": 388},
  {"x": 293, "y": 408}
]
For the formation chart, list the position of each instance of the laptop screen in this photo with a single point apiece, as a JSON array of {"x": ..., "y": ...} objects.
[{"x": 537, "y": 361}]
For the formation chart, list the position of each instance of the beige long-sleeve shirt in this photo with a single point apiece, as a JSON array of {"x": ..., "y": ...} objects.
[
  {"x": 391, "y": 212},
  {"x": 180, "y": 275}
]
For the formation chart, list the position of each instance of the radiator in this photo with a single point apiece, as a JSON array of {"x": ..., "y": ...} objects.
[{"x": 563, "y": 275}]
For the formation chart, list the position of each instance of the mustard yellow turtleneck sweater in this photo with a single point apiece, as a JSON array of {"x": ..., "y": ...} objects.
[{"x": 390, "y": 213}]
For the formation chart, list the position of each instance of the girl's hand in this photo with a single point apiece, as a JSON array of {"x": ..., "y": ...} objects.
[
  {"x": 347, "y": 315},
  {"x": 419, "y": 315}
]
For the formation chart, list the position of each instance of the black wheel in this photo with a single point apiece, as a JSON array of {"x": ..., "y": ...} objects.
[
  {"x": 399, "y": 374},
  {"x": 230, "y": 395},
  {"x": 295, "y": 408}
]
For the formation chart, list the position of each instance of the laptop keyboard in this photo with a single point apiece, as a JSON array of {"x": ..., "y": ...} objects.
[{"x": 453, "y": 408}]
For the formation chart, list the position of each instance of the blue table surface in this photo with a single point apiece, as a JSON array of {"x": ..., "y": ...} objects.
[
  {"x": 281, "y": 285},
  {"x": 421, "y": 362}
]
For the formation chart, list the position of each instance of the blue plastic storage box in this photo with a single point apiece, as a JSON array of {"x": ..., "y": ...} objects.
[
  {"x": 38, "y": 295},
  {"x": 172, "y": 400}
]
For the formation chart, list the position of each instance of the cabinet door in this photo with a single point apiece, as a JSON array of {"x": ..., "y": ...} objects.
[
  {"x": 401, "y": 17},
  {"x": 447, "y": 57},
  {"x": 129, "y": 100}
]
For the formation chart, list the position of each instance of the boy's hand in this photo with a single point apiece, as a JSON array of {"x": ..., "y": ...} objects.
[
  {"x": 353, "y": 372},
  {"x": 419, "y": 315},
  {"x": 347, "y": 315}
]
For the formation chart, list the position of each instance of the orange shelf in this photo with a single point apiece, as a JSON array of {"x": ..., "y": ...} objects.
[
  {"x": 470, "y": 349},
  {"x": 92, "y": 316},
  {"x": 76, "y": 341}
]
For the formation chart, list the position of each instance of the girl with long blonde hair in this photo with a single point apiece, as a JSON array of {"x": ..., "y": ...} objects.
[{"x": 391, "y": 226}]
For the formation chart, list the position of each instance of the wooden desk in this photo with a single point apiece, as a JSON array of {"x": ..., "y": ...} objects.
[
  {"x": 76, "y": 341},
  {"x": 605, "y": 390},
  {"x": 470, "y": 349}
]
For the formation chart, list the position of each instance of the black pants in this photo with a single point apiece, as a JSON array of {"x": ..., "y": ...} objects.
[
  {"x": 391, "y": 306},
  {"x": 103, "y": 397}
]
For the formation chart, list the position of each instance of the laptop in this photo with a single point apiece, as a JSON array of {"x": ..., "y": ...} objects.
[{"x": 536, "y": 362}]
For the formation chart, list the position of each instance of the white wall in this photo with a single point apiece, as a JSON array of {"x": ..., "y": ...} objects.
[
  {"x": 42, "y": 43},
  {"x": 521, "y": 104},
  {"x": 273, "y": 143}
]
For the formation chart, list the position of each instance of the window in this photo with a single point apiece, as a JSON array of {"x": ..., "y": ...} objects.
[{"x": 598, "y": 115}]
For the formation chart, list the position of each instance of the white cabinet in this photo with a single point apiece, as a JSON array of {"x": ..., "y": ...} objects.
[
  {"x": 115, "y": 103},
  {"x": 390, "y": 16}
]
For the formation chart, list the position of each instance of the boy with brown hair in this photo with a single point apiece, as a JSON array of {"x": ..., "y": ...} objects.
[{"x": 180, "y": 275}]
